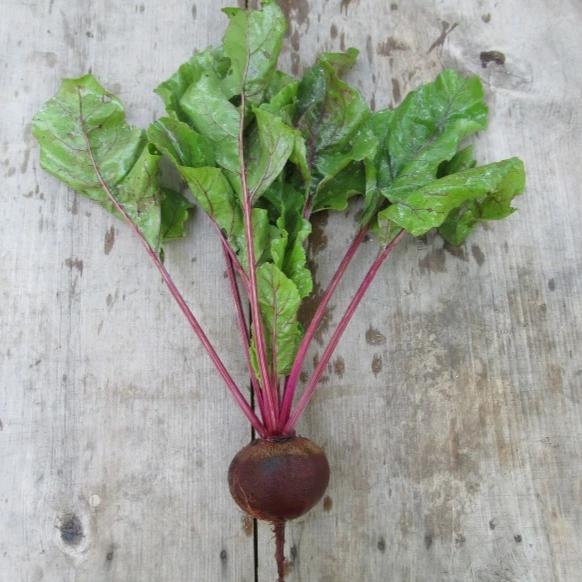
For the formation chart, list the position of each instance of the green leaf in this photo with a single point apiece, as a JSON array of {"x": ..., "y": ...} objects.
[
  {"x": 279, "y": 244},
  {"x": 288, "y": 254},
  {"x": 427, "y": 128},
  {"x": 191, "y": 154},
  {"x": 330, "y": 114},
  {"x": 140, "y": 195},
  {"x": 211, "y": 60},
  {"x": 329, "y": 110},
  {"x": 462, "y": 160},
  {"x": 491, "y": 187},
  {"x": 214, "y": 193},
  {"x": 63, "y": 135},
  {"x": 180, "y": 143},
  {"x": 279, "y": 302},
  {"x": 276, "y": 142},
  {"x": 279, "y": 80},
  {"x": 291, "y": 232},
  {"x": 84, "y": 138},
  {"x": 253, "y": 41},
  {"x": 295, "y": 263},
  {"x": 298, "y": 157},
  {"x": 334, "y": 193},
  {"x": 213, "y": 116},
  {"x": 284, "y": 102},
  {"x": 377, "y": 168},
  {"x": 262, "y": 235},
  {"x": 421, "y": 136},
  {"x": 175, "y": 213},
  {"x": 461, "y": 221},
  {"x": 341, "y": 178}
]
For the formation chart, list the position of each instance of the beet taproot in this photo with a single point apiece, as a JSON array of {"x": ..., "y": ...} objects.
[{"x": 278, "y": 479}]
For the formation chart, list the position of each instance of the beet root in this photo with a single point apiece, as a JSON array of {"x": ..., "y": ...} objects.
[{"x": 278, "y": 479}]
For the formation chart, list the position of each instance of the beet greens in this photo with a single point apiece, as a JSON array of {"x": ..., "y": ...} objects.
[{"x": 261, "y": 152}]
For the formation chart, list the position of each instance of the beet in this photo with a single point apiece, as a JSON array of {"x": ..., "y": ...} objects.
[{"x": 278, "y": 479}]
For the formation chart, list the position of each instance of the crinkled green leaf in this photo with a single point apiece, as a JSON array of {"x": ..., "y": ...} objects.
[
  {"x": 421, "y": 136},
  {"x": 279, "y": 302},
  {"x": 377, "y": 167},
  {"x": 341, "y": 177},
  {"x": 329, "y": 114},
  {"x": 426, "y": 129},
  {"x": 179, "y": 142},
  {"x": 83, "y": 134},
  {"x": 335, "y": 192},
  {"x": 275, "y": 143},
  {"x": 362, "y": 145},
  {"x": 295, "y": 263},
  {"x": 462, "y": 160},
  {"x": 292, "y": 230},
  {"x": 211, "y": 60},
  {"x": 192, "y": 153},
  {"x": 140, "y": 194},
  {"x": 289, "y": 254},
  {"x": 461, "y": 221},
  {"x": 215, "y": 117},
  {"x": 214, "y": 193},
  {"x": 491, "y": 187},
  {"x": 262, "y": 235},
  {"x": 329, "y": 110},
  {"x": 384, "y": 229},
  {"x": 279, "y": 243},
  {"x": 175, "y": 213},
  {"x": 284, "y": 102},
  {"x": 63, "y": 136},
  {"x": 278, "y": 81},
  {"x": 253, "y": 41}
]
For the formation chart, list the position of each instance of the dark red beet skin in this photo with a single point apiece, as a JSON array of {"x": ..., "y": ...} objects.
[{"x": 278, "y": 479}]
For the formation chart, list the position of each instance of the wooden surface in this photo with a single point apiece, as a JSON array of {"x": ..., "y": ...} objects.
[{"x": 452, "y": 411}]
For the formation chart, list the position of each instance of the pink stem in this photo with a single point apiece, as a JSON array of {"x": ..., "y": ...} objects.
[
  {"x": 253, "y": 289},
  {"x": 234, "y": 260},
  {"x": 230, "y": 383},
  {"x": 293, "y": 378},
  {"x": 322, "y": 364},
  {"x": 242, "y": 326}
]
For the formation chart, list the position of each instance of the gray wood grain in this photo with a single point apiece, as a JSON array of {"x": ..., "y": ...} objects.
[{"x": 452, "y": 410}]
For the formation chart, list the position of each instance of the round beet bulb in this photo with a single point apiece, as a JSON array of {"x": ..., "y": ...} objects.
[{"x": 278, "y": 479}]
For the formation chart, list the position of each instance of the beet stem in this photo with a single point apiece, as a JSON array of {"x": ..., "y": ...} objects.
[
  {"x": 279, "y": 529},
  {"x": 230, "y": 383},
  {"x": 271, "y": 420},
  {"x": 244, "y": 331},
  {"x": 234, "y": 260},
  {"x": 335, "y": 338},
  {"x": 293, "y": 378}
]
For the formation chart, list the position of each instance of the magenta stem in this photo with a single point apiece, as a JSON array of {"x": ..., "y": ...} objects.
[
  {"x": 322, "y": 364},
  {"x": 244, "y": 331},
  {"x": 293, "y": 378},
  {"x": 230, "y": 383},
  {"x": 234, "y": 260},
  {"x": 257, "y": 325}
]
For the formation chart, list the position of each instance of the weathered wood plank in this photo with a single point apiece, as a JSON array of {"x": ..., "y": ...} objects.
[
  {"x": 452, "y": 411},
  {"x": 113, "y": 419}
]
